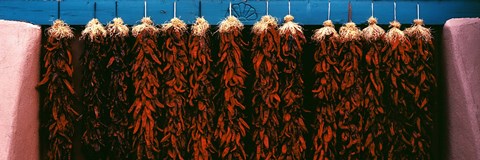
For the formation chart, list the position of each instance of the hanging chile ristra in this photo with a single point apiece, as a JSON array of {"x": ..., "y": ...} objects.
[
  {"x": 292, "y": 142},
  {"x": 266, "y": 98},
  {"x": 118, "y": 101},
  {"x": 146, "y": 72},
  {"x": 200, "y": 93},
  {"x": 175, "y": 88},
  {"x": 350, "y": 121},
  {"x": 424, "y": 82},
  {"x": 93, "y": 83},
  {"x": 59, "y": 93},
  {"x": 374, "y": 114},
  {"x": 231, "y": 126},
  {"x": 326, "y": 91},
  {"x": 397, "y": 63}
]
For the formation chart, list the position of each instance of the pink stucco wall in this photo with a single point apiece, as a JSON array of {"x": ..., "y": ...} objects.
[
  {"x": 19, "y": 103},
  {"x": 462, "y": 65}
]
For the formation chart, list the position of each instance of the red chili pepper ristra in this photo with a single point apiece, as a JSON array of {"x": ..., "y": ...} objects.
[
  {"x": 266, "y": 94},
  {"x": 349, "y": 109},
  {"x": 94, "y": 96},
  {"x": 201, "y": 91},
  {"x": 174, "y": 89},
  {"x": 326, "y": 91},
  {"x": 231, "y": 126},
  {"x": 425, "y": 82},
  {"x": 146, "y": 72},
  {"x": 398, "y": 63},
  {"x": 59, "y": 93},
  {"x": 118, "y": 101},
  {"x": 374, "y": 115},
  {"x": 292, "y": 141}
]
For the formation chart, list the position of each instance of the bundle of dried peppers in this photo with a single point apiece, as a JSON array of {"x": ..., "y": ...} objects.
[
  {"x": 93, "y": 84},
  {"x": 291, "y": 141},
  {"x": 201, "y": 91},
  {"x": 374, "y": 113},
  {"x": 146, "y": 72},
  {"x": 326, "y": 90},
  {"x": 424, "y": 81},
  {"x": 398, "y": 64},
  {"x": 231, "y": 126},
  {"x": 266, "y": 94},
  {"x": 59, "y": 95},
  {"x": 350, "y": 121},
  {"x": 119, "y": 100},
  {"x": 174, "y": 89}
]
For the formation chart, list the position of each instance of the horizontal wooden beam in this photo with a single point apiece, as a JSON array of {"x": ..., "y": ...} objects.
[{"x": 306, "y": 12}]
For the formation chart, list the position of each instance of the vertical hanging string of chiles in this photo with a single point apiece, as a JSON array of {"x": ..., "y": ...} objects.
[
  {"x": 266, "y": 99},
  {"x": 93, "y": 84},
  {"x": 374, "y": 114},
  {"x": 398, "y": 63},
  {"x": 326, "y": 91},
  {"x": 201, "y": 91},
  {"x": 174, "y": 88},
  {"x": 146, "y": 106},
  {"x": 59, "y": 93},
  {"x": 350, "y": 120},
  {"x": 424, "y": 81},
  {"x": 119, "y": 85},
  {"x": 292, "y": 142},
  {"x": 231, "y": 126}
]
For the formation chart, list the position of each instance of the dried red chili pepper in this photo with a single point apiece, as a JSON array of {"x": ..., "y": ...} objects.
[
  {"x": 94, "y": 96},
  {"x": 266, "y": 94},
  {"x": 350, "y": 121},
  {"x": 174, "y": 88},
  {"x": 326, "y": 90},
  {"x": 200, "y": 93},
  {"x": 424, "y": 80},
  {"x": 119, "y": 100},
  {"x": 398, "y": 63},
  {"x": 145, "y": 109},
  {"x": 292, "y": 142},
  {"x": 374, "y": 114},
  {"x": 231, "y": 126},
  {"x": 60, "y": 96}
]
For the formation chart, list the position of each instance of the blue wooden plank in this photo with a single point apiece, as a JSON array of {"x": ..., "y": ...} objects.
[{"x": 306, "y": 12}]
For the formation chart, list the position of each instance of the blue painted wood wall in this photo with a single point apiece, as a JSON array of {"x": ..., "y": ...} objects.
[{"x": 306, "y": 12}]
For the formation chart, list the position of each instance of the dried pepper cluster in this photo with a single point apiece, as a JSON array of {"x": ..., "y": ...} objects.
[
  {"x": 292, "y": 141},
  {"x": 94, "y": 97},
  {"x": 350, "y": 121},
  {"x": 59, "y": 93},
  {"x": 326, "y": 91},
  {"x": 119, "y": 100},
  {"x": 266, "y": 94},
  {"x": 374, "y": 113},
  {"x": 231, "y": 126},
  {"x": 174, "y": 89},
  {"x": 200, "y": 94},
  {"x": 424, "y": 81},
  {"x": 398, "y": 63},
  {"x": 146, "y": 71}
]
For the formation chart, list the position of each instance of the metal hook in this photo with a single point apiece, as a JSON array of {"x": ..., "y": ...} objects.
[
  {"x": 144, "y": 8},
  {"x": 349, "y": 11},
  {"x": 230, "y": 8},
  {"x": 267, "y": 6},
  {"x": 289, "y": 7},
  {"x": 395, "y": 10},
  {"x": 175, "y": 9},
  {"x": 199, "y": 8},
  {"x": 116, "y": 8},
  {"x": 328, "y": 14},
  {"x": 418, "y": 11},
  {"x": 372, "y": 8},
  {"x": 94, "y": 9},
  {"x": 58, "y": 9}
]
